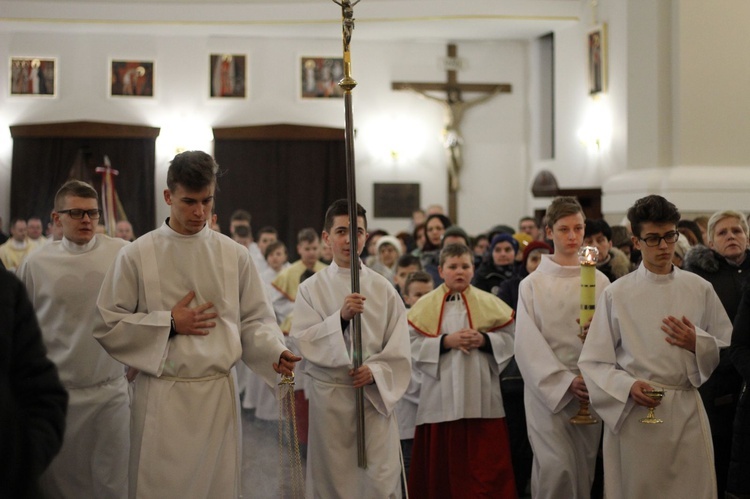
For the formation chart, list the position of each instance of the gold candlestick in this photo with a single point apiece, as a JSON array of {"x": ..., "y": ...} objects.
[{"x": 587, "y": 257}]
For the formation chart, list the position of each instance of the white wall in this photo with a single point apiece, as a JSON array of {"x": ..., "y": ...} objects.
[
  {"x": 675, "y": 117},
  {"x": 713, "y": 77},
  {"x": 495, "y": 132}
]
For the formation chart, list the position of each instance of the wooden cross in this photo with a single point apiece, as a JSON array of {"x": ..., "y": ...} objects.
[{"x": 454, "y": 110}]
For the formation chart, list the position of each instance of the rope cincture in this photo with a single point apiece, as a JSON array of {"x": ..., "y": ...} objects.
[{"x": 289, "y": 454}]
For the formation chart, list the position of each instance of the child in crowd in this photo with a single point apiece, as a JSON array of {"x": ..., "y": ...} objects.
[
  {"x": 387, "y": 253},
  {"x": 417, "y": 285},
  {"x": 288, "y": 280},
  {"x": 276, "y": 259},
  {"x": 407, "y": 264}
]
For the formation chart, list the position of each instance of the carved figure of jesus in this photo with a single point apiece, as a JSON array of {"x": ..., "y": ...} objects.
[{"x": 454, "y": 108}]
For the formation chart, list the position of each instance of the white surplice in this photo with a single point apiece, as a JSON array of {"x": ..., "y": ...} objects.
[
  {"x": 184, "y": 425},
  {"x": 625, "y": 343},
  {"x": 332, "y": 470},
  {"x": 63, "y": 281},
  {"x": 547, "y": 349},
  {"x": 456, "y": 385}
]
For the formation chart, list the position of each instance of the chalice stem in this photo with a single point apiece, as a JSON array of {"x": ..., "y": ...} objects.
[{"x": 584, "y": 415}]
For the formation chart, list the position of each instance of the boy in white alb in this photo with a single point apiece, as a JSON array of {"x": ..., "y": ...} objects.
[
  {"x": 547, "y": 350},
  {"x": 63, "y": 280},
  {"x": 323, "y": 312},
  {"x": 655, "y": 328},
  {"x": 183, "y": 304}
]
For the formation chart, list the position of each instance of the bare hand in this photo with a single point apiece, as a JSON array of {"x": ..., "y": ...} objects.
[
  {"x": 585, "y": 328},
  {"x": 287, "y": 362},
  {"x": 131, "y": 374},
  {"x": 464, "y": 340},
  {"x": 578, "y": 388},
  {"x": 192, "y": 321},
  {"x": 362, "y": 376},
  {"x": 640, "y": 398},
  {"x": 353, "y": 304},
  {"x": 679, "y": 333}
]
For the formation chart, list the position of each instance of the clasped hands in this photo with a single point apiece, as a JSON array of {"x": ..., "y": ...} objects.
[{"x": 464, "y": 340}]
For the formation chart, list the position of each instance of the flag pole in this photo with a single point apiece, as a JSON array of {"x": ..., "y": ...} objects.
[{"x": 347, "y": 84}]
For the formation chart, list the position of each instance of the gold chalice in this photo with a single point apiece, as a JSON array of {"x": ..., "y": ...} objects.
[{"x": 655, "y": 395}]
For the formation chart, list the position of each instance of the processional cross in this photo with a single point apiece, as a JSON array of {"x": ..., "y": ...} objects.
[{"x": 454, "y": 107}]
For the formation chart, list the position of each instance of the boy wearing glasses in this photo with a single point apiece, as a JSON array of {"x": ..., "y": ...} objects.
[
  {"x": 658, "y": 328},
  {"x": 63, "y": 280}
]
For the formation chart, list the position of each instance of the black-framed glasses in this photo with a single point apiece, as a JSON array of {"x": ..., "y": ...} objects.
[
  {"x": 77, "y": 213},
  {"x": 669, "y": 238}
]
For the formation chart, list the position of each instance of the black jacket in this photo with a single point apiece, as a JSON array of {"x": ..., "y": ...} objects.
[
  {"x": 739, "y": 353},
  {"x": 721, "y": 391},
  {"x": 489, "y": 276},
  {"x": 727, "y": 279},
  {"x": 33, "y": 402}
]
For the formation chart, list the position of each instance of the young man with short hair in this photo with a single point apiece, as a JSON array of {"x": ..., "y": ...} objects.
[
  {"x": 547, "y": 350},
  {"x": 529, "y": 225},
  {"x": 63, "y": 280},
  {"x": 323, "y": 314},
  {"x": 656, "y": 328},
  {"x": 35, "y": 231},
  {"x": 184, "y": 304}
]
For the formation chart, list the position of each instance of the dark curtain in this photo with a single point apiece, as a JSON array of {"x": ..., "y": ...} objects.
[
  {"x": 286, "y": 184},
  {"x": 41, "y": 165}
]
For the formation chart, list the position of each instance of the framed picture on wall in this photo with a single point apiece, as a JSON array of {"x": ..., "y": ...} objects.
[
  {"x": 131, "y": 78},
  {"x": 228, "y": 75},
  {"x": 320, "y": 76},
  {"x": 35, "y": 76},
  {"x": 395, "y": 200},
  {"x": 597, "y": 59}
]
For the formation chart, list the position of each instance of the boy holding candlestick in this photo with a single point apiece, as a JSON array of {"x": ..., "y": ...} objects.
[
  {"x": 547, "y": 349},
  {"x": 656, "y": 328}
]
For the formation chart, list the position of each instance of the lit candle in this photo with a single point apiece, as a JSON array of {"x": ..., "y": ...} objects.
[{"x": 587, "y": 257}]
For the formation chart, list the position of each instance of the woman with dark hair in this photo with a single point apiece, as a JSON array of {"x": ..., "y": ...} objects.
[{"x": 435, "y": 227}]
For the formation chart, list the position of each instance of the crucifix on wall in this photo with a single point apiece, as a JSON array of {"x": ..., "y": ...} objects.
[{"x": 454, "y": 107}]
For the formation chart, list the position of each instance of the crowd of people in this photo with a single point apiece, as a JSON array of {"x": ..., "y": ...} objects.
[{"x": 130, "y": 359}]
